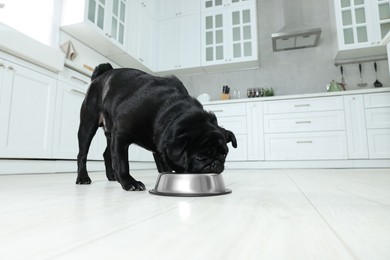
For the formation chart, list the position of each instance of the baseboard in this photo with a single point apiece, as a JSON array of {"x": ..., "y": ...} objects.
[
  {"x": 19, "y": 166},
  {"x": 326, "y": 164}
]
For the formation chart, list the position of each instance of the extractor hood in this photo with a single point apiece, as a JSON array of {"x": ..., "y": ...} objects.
[{"x": 295, "y": 34}]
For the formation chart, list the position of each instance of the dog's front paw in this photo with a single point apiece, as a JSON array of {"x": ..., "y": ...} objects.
[
  {"x": 83, "y": 180},
  {"x": 133, "y": 185}
]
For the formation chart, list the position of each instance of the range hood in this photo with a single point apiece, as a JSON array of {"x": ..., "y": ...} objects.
[{"x": 295, "y": 34}]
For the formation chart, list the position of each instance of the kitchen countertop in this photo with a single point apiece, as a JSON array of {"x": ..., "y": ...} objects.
[
  {"x": 297, "y": 96},
  {"x": 26, "y": 48}
]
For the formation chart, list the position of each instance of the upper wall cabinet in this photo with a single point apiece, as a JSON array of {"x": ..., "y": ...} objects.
[
  {"x": 178, "y": 33},
  {"x": 361, "y": 24},
  {"x": 208, "y": 5},
  {"x": 229, "y": 34},
  {"x": 173, "y": 8},
  {"x": 102, "y": 25},
  {"x": 142, "y": 32},
  {"x": 108, "y": 17}
]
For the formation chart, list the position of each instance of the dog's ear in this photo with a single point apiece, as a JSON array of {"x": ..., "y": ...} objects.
[
  {"x": 175, "y": 152},
  {"x": 230, "y": 137}
]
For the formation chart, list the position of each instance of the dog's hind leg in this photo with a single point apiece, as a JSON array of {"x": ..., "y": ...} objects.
[{"x": 89, "y": 123}]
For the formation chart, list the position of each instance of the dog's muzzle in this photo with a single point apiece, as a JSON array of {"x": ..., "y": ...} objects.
[{"x": 215, "y": 167}]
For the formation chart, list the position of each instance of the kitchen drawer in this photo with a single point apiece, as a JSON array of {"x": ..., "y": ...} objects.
[
  {"x": 304, "y": 122},
  {"x": 378, "y": 118},
  {"x": 379, "y": 143},
  {"x": 304, "y": 105},
  {"x": 74, "y": 78},
  {"x": 236, "y": 124},
  {"x": 241, "y": 152},
  {"x": 223, "y": 110},
  {"x": 306, "y": 146},
  {"x": 377, "y": 100}
]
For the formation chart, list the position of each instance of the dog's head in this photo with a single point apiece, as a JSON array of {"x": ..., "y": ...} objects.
[{"x": 199, "y": 145}]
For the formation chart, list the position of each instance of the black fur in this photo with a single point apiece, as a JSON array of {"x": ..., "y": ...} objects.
[{"x": 156, "y": 113}]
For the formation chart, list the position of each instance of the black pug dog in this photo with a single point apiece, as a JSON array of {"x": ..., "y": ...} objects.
[{"x": 156, "y": 113}]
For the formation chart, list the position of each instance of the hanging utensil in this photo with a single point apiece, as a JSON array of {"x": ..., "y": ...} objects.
[
  {"x": 377, "y": 84},
  {"x": 361, "y": 84},
  {"x": 343, "y": 84}
]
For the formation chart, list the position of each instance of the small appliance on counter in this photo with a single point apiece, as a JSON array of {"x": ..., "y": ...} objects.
[
  {"x": 203, "y": 98},
  {"x": 334, "y": 86}
]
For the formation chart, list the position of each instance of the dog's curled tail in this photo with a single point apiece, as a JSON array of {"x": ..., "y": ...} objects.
[{"x": 100, "y": 69}]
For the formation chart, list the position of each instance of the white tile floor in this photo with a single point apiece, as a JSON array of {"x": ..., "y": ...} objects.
[{"x": 271, "y": 214}]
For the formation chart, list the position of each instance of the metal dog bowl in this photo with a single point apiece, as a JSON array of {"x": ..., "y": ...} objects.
[{"x": 190, "y": 184}]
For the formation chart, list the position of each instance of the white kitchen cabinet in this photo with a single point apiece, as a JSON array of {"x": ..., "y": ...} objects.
[
  {"x": 179, "y": 43},
  {"x": 361, "y": 24},
  {"x": 355, "y": 121},
  {"x": 208, "y": 5},
  {"x": 142, "y": 34},
  {"x": 233, "y": 118},
  {"x": 139, "y": 154},
  {"x": 304, "y": 105},
  {"x": 305, "y": 129},
  {"x": 2, "y": 69},
  {"x": 330, "y": 145},
  {"x": 70, "y": 95},
  {"x": 377, "y": 112},
  {"x": 148, "y": 5},
  {"x": 304, "y": 122},
  {"x": 254, "y": 117},
  {"x": 229, "y": 35},
  {"x": 27, "y": 112},
  {"x": 378, "y": 143},
  {"x": 108, "y": 18},
  {"x": 174, "y": 8},
  {"x": 105, "y": 27}
]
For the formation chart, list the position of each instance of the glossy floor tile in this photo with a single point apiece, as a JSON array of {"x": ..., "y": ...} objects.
[{"x": 271, "y": 214}]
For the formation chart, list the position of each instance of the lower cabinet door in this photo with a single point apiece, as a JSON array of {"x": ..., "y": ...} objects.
[
  {"x": 27, "y": 113},
  {"x": 241, "y": 152},
  {"x": 379, "y": 143},
  {"x": 67, "y": 119},
  {"x": 306, "y": 146}
]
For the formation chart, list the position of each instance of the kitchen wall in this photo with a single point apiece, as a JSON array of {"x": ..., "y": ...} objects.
[{"x": 289, "y": 72}]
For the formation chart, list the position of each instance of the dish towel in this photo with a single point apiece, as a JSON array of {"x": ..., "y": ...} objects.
[{"x": 69, "y": 50}]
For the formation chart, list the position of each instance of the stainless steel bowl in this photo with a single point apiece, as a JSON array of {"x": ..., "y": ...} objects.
[{"x": 190, "y": 184}]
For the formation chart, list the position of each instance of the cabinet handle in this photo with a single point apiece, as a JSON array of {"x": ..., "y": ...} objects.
[
  {"x": 217, "y": 111},
  {"x": 2, "y": 65},
  {"x": 10, "y": 68},
  {"x": 303, "y": 122},
  {"x": 304, "y": 142},
  {"x": 77, "y": 91},
  {"x": 80, "y": 80},
  {"x": 302, "y": 105}
]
